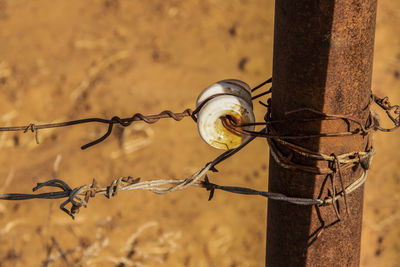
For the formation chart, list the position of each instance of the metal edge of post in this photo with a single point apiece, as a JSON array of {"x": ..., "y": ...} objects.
[{"x": 323, "y": 52}]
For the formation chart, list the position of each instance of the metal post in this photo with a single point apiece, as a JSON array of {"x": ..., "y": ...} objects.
[{"x": 323, "y": 53}]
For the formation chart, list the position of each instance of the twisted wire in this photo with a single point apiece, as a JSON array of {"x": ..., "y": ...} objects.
[
  {"x": 80, "y": 196},
  {"x": 124, "y": 122}
]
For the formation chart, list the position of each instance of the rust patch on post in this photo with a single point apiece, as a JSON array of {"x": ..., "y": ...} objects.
[{"x": 323, "y": 53}]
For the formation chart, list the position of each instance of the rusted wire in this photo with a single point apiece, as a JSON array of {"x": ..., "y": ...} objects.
[
  {"x": 80, "y": 196},
  {"x": 346, "y": 161},
  {"x": 361, "y": 129},
  {"x": 124, "y": 122},
  {"x": 150, "y": 119}
]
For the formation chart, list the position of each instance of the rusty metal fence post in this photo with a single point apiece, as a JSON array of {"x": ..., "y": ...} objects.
[{"x": 323, "y": 53}]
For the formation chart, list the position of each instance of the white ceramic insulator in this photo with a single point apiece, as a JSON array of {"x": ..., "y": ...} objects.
[
  {"x": 237, "y": 104},
  {"x": 229, "y": 86}
]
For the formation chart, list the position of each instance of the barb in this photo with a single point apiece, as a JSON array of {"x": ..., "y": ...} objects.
[{"x": 388, "y": 108}]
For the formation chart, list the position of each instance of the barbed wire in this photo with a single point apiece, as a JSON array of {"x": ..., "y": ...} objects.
[
  {"x": 79, "y": 196},
  {"x": 150, "y": 119}
]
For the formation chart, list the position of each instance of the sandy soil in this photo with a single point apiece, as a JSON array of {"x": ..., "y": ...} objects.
[{"x": 62, "y": 60}]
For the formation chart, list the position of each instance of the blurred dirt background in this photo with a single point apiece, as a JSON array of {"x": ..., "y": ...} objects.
[{"x": 62, "y": 60}]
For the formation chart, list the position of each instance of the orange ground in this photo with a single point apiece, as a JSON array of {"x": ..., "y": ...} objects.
[{"x": 63, "y": 60}]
